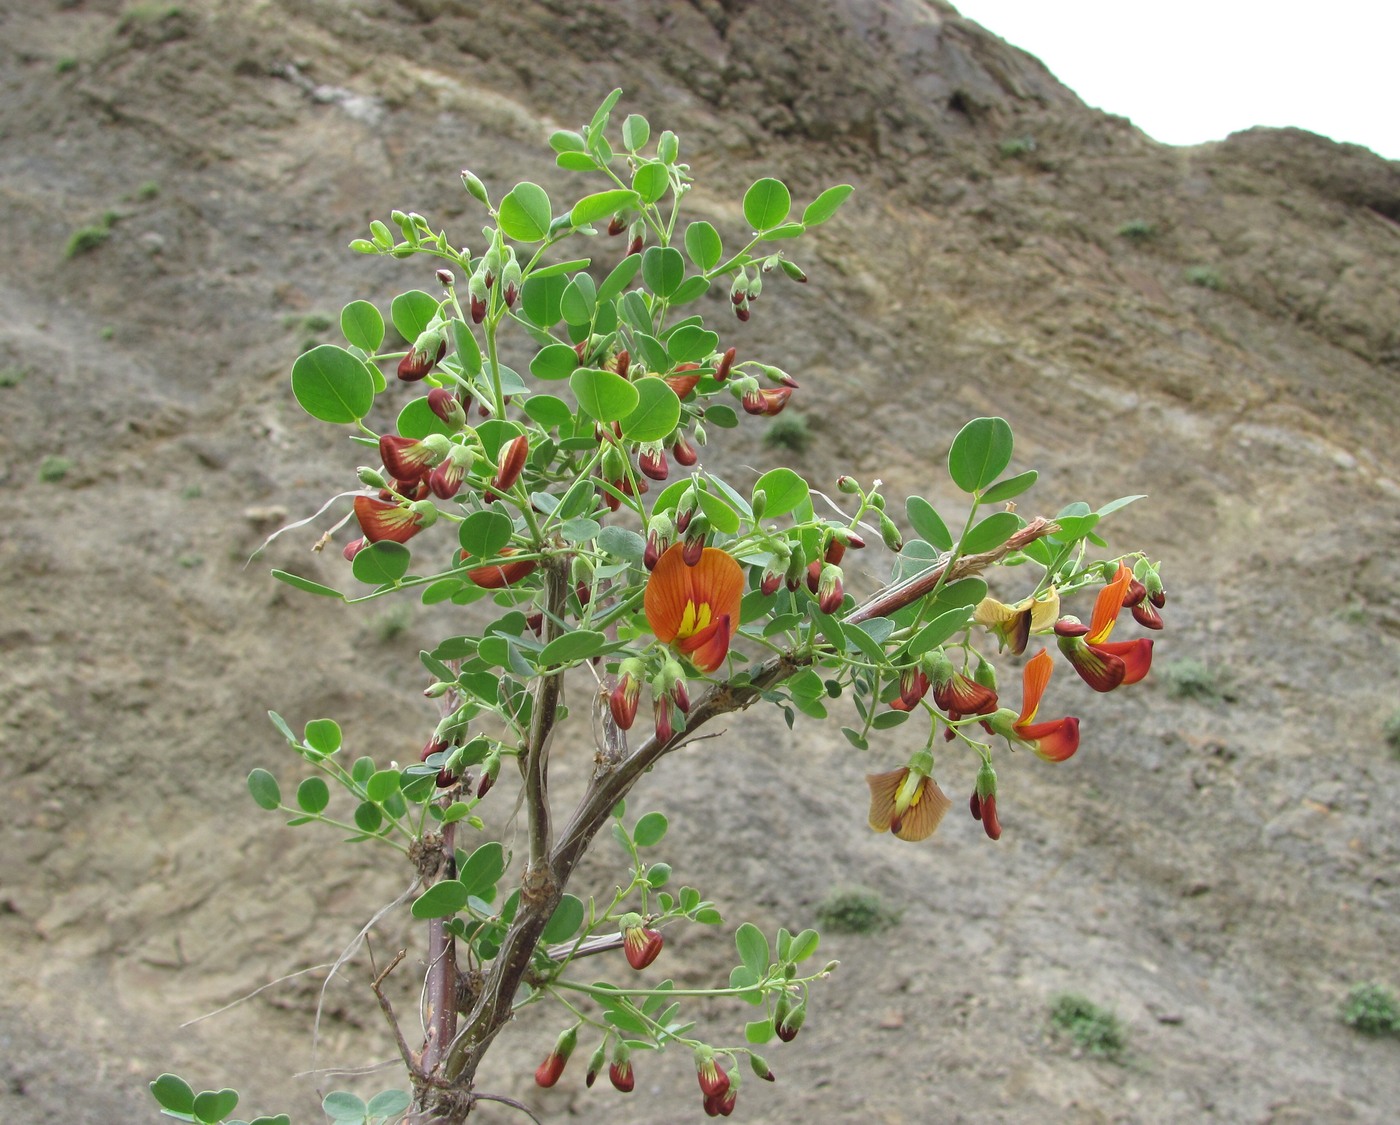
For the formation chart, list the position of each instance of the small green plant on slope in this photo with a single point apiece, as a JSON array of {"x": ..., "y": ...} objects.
[
  {"x": 573, "y": 504},
  {"x": 1094, "y": 1030},
  {"x": 1372, "y": 1010}
]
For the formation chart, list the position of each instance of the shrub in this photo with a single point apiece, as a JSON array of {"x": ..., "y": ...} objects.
[
  {"x": 1205, "y": 276},
  {"x": 1014, "y": 147},
  {"x": 1372, "y": 1010},
  {"x": 1095, "y": 1031},
  {"x": 789, "y": 431},
  {"x": 1138, "y": 230},
  {"x": 1189, "y": 678},
  {"x": 1390, "y": 730},
  {"x": 85, "y": 239},
  {"x": 856, "y": 910},
  {"x": 54, "y": 468}
]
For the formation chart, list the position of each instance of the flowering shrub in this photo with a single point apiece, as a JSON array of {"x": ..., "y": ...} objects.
[{"x": 573, "y": 501}]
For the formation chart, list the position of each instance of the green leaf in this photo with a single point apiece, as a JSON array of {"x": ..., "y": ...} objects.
[
  {"x": 663, "y": 269},
  {"x": 691, "y": 343},
  {"x": 939, "y": 630},
  {"x": 721, "y": 515},
  {"x": 566, "y": 140},
  {"x": 753, "y": 949},
  {"x": 622, "y": 543},
  {"x": 571, "y": 266},
  {"x": 825, "y": 205},
  {"x": 658, "y": 875},
  {"x": 786, "y": 492},
  {"x": 576, "y": 162},
  {"x": 620, "y": 278},
  {"x": 173, "y": 1093},
  {"x": 690, "y": 289},
  {"x": 927, "y": 523},
  {"x": 382, "y": 785},
  {"x": 635, "y": 132},
  {"x": 572, "y": 647},
  {"x": 1114, "y": 505},
  {"x": 417, "y": 420},
  {"x": 484, "y": 868},
  {"x": 387, "y": 1103},
  {"x": 803, "y": 946},
  {"x": 554, "y": 361},
  {"x": 267, "y": 794},
  {"x": 980, "y": 453},
  {"x": 651, "y": 181},
  {"x": 280, "y": 1119},
  {"x": 1010, "y": 487},
  {"x": 785, "y": 230},
  {"x": 412, "y": 312},
  {"x": 704, "y": 245},
  {"x": 306, "y": 585},
  {"x": 579, "y": 300},
  {"x": 468, "y": 351},
  {"x": 604, "y": 395},
  {"x": 599, "y": 122},
  {"x": 332, "y": 385},
  {"x": 313, "y": 795},
  {"x": 323, "y": 735},
  {"x": 650, "y": 830},
  {"x": 991, "y": 532},
  {"x": 362, "y": 325},
  {"x": 869, "y": 647},
  {"x": 759, "y": 1031},
  {"x": 600, "y": 205},
  {"x": 440, "y": 900},
  {"x": 886, "y": 720},
  {"x": 524, "y": 214},
  {"x": 767, "y": 203},
  {"x": 548, "y": 411},
  {"x": 539, "y": 299},
  {"x": 213, "y": 1106},
  {"x": 344, "y": 1106},
  {"x": 656, "y": 414},
  {"x": 565, "y": 921},
  {"x": 381, "y": 563},
  {"x": 483, "y": 534}
]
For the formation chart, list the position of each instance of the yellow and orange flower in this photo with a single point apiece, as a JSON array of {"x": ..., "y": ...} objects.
[
  {"x": 1013, "y": 624},
  {"x": 695, "y": 608},
  {"x": 906, "y": 802},
  {"x": 1056, "y": 740},
  {"x": 1104, "y": 664}
]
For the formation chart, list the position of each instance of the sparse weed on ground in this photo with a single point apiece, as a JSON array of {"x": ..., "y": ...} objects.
[
  {"x": 1206, "y": 277},
  {"x": 856, "y": 910},
  {"x": 1096, "y": 1031},
  {"x": 1372, "y": 1010},
  {"x": 12, "y": 376},
  {"x": 148, "y": 191},
  {"x": 1138, "y": 230},
  {"x": 54, "y": 468},
  {"x": 789, "y": 431},
  {"x": 392, "y": 623},
  {"x": 1014, "y": 147},
  {"x": 1390, "y": 731},
  {"x": 86, "y": 239},
  {"x": 1189, "y": 678}
]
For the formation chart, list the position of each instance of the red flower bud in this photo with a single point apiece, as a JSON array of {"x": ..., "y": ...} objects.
[
  {"x": 990, "y": 824},
  {"x": 417, "y": 364},
  {"x": 623, "y": 363},
  {"x": 684, "y": 452},
  {"x": 621, "y": 1076},
  {"x": 512, "y": 461},
  {"x": 714, "y": 1082},
  {"x": 653, "y": 463},
  {"x": 635, "y": 246},
  {"x": 353, "y": 548},
  {"x": 445, "y": 405},
  {"x": 661, "y": 710},
  {"x": 497, "y": 576},
  {"x": 641, "y": 945},
  {"x": 725, "y": 362},
  {"x": 478, "y": 309},
  {"x": 380, "y": 520},
  {"x": 616, "y": 225},
  {"x": 623, "y": 699}
]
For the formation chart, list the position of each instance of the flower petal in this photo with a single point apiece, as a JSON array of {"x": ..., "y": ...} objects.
[
  {"x": 924, "y": 814},
  {"x": 1110, "y": 601},
  {"x": 1053, "y": 741},
  {"x": 1100, "y": 669},
  {"x": 883, "y": 788},
  {"x": 1034, "y": 677},
  {"x": 1136, "y": 656},
  {"x": 708, "y": 648}
]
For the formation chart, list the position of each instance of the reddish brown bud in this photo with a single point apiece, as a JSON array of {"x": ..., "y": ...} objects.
[
  {"x": 742, "y": 310},
  {"x": 714, "y": 1082},
  {"x": 641, "y": 945},
  {"x": 417, "y": 364},
  {"x": 616, "y": 225},
  {"x": 621, "y": 1076},
  {"x": 353, "y": 548},
  {"x": 835, "y": 551},
  {"x": 653, "y": 463},
  {"x": 445, "y": 405},
  {"x": 635, "y": 246},
  {"x": 684, "y": 452},
  {"x": 693, "y": 550},
  {"x": 512, "y": 461},
  {"x": 990, "y": 824},
  {"x": 497, "y": 576},
  {"x": 623, "y": 363},
  {"x": 478, "y": 309},
  {"x": 725, "y": 362}
]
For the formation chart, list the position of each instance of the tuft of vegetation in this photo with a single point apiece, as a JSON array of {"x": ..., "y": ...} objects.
[
  {"x": 12, "y": 376},
  {"x": 1207, "y": 277},
  {"x": 84, "y": 240},
  {"x": 148, "y": 191},
  {"x": 1372, "y": 1010},
  {"x": 789, "y": 431},
  {"x": 65, "y": 64},
  {"x": 393, "y": 623},
  {"x": 1095, "y": 1031},
  {"x": 1138, "y": 230},
  {"x": 1390, "y": 729},
  {"x": 1189, "y": 678},
  {"x": 856, "y": 910},
  {"x": 1014, "y": 147},
  {"x": 54, "y": 468}
]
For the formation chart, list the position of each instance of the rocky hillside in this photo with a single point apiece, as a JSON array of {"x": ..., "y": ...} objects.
[{"x": 1215, "y": 326}]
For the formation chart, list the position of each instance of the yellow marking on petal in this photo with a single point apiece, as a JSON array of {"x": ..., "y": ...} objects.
[{"x": 693, "y": 620}]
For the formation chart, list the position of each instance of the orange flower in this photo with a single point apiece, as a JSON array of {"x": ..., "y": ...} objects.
[
  {"x": 1054, "y": 741},
  {"x": 695, "y": 607},
  {"x": 1102, "y": 664},
  {"x": 908, "y": 803}
]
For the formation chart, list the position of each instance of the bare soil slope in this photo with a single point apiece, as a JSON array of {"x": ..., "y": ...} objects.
[{"x": 1218, "y": 871}]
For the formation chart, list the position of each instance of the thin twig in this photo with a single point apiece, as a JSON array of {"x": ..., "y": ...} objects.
[
  {"x": 378, "y": 985},
  {"x": 510, "y": 1102}
]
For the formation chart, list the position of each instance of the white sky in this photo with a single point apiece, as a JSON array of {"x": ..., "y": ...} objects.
[{"x": 1191, "y": 71}]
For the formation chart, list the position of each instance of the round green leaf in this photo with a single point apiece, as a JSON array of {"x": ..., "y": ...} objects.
[
  {"x": 368, "y": 818},
  {"x": 825, "y": 205},
  {"x": 767, "y": 203},
  {"x": 565, "y": 921},
  {"x": 600, "y": 205},
  {"x": 650, "y": 830},
  {"x": 440, "y": 900},
  {"x": 363, "y": 325},
  {"x": 332, "y": 385},
  {"x": 571, "y": 648},
  {"x": 411, "y": 312},
  {"x": 313, "y": 795},
  {"x": 721, "y": 515},
  {"x": 524, "y": 213},
  {"x": 381, "y": 562},
  {"x": 690, "y": 343},
  {"x": 266, "y": 795},
  {"x": 173, "y": 1093},
  {"x": 690, "y": 289},
  {"x": 980, "y": 453},
  {"x": 1010, "y": 487},
  {"x": 939, "y": 630},
  {"x": 803, "y": 946},
  {"x": 578, "y": 301},
  {"x": 483, "y": 534},
  {"x": 703, "y": 244},
  {"x": 344, "y": 1106},
  {"x": 554, "y": 361},
  {"x": 663, "y": 269},
  {"x": 785, "y": 490},
  {"x": 484, "y": 868},
  {"x": 650, "y": 181},
  {"x": 927, "y": 523},
  {"x": 539, "y": 299},
  {"x": 753, "y": 949},
  {"x": 388, "y": 1103},
  {"x": 417, "y": 420},
  {"x": 635, "y": 131},
  {"x": 991, "y": 532},
  {"x": 576, "y": 162},
  {"x": 323, "y": 735},
  {"x": 382, "y": 785},
  {"x": 213, "y": 1106},
  {"x": 547, "y": 410},
  {"x": 565, "y": 140},
  {"x": 656, "y": 413},
  {"x": 620, "y": 278},
  {"x": 605, "y": 395}
]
